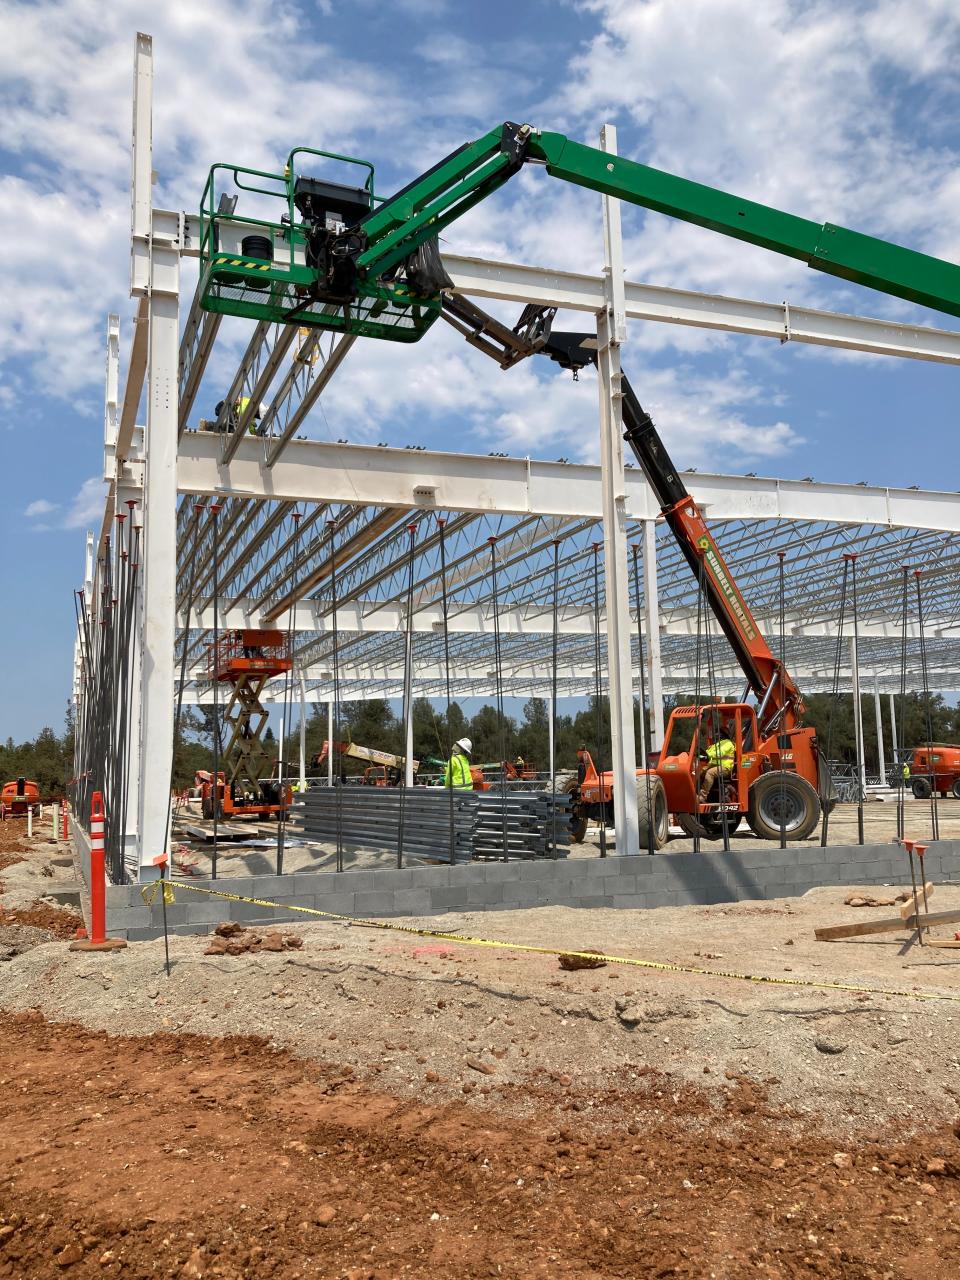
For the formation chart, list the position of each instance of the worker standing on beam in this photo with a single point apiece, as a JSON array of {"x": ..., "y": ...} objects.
[{"x": 457, "y": 773}]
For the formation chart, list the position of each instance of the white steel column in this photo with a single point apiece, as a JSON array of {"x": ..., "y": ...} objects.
[
  {"x": 408, "y": 751},
  {"x": 155, "y": 274},
  {"x": 303, "y": 733},
  {"x": 611, "y": 332},
  {"x": 857, "y": 714},
  {"x": 881, "y": 752},
  {"x": 893, "y": 726},
  {"x": 652, "y": 610}
]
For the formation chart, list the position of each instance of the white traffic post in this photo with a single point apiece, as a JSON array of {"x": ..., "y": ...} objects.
[{"x": 611, "y": 332}]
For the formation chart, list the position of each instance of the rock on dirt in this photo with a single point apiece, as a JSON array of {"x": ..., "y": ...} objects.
[{"x": 231, "y": 939}]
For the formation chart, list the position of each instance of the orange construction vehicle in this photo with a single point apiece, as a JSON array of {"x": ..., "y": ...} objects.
[
  {"x": 933, "y": 767},
  {"x": 775, "y": 776},
  {"x": 244, "y": 661},
  {"x": 384, "y": 770},
  {"x": 17, "y": 797}
]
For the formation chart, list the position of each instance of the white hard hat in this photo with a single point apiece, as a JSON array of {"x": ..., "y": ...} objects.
[{"x": 465, "y": 745}]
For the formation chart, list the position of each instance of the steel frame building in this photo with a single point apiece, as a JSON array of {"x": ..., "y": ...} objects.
[{"x": 364, "y": 506}]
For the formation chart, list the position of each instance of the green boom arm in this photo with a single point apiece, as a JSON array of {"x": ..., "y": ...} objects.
[{"x": 430, "y": 203}]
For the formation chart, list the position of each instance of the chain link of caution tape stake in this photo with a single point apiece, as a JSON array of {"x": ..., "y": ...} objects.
[{"x": 149, "y": 893}]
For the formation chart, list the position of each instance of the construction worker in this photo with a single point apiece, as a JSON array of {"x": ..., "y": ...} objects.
[
  {"x": 235, "y": 417},
  {"x": 720, "y": 757},
  {"x": 906, "y": 771},
  {"x": 457, "y": 773}
]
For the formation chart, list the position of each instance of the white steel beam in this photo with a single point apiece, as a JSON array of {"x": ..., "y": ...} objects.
[
  {"x": 315, "y": 470},
  {"x": 782, "y": 321},
  {"x": 577, "y": 291},
  {"x": 611, "y": 332}
]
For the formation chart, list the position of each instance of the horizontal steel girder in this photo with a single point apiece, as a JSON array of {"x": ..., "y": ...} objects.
[{"x": 314, "y": 470}]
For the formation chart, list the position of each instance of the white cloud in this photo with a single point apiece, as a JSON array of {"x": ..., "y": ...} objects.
[
  {"x": 40, "y": 507},
  {"x": 788, "y": 104},
  {"x": 86, "y": 506}
]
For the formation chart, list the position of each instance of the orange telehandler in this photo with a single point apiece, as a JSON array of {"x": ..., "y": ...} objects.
[{"x": 778, "y": 780}]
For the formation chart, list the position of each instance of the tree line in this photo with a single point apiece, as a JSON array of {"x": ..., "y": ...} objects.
[{"x": 48, "y": 758}]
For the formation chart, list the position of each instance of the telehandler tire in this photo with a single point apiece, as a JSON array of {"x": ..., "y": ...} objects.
[
  {"x": 955, "y": 789},
  {"x": 712, "y": 829},
  {"x": 577, "y": 824},
  {"x": 786, "y": 793},
  {"x": 652, "y": 812},
  {"x": 921, "y": 788}
]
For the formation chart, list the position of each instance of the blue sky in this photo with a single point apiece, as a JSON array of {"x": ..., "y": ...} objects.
[{"x": 843, "y": 112}]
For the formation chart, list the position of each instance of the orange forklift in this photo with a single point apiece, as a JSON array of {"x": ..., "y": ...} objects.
[
  {"x": 245, "y": 660},
  {"x": 777, "y": 778}
]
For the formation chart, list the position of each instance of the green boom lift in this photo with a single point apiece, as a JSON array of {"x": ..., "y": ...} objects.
[{"x": 338, "y": 257}]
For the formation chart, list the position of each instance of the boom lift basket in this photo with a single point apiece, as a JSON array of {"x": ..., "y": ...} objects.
[{"x": 265, "y": 268}]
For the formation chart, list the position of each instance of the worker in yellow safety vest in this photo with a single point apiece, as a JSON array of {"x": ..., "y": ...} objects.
[
  {"x": 721, "y": 756},
  {"x": 457, "y": 773},
  {"x": 235, "y": 417},
  {"x": 906, "y": 770}
]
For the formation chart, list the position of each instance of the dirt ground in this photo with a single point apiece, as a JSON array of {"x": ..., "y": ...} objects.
[{"x": 378, "y": 1104}]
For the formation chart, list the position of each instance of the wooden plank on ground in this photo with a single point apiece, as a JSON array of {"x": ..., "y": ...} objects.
[
  {"x": 889, "y": 924},
  {"x": 907, "y": 908},
  {"x": 943, "y": 942}
]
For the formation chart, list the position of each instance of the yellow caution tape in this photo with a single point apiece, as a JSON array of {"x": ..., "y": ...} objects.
[{"x": 148, "y": 893}]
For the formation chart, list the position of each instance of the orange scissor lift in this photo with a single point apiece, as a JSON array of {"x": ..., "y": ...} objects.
[{"x": 245, "y": 660}]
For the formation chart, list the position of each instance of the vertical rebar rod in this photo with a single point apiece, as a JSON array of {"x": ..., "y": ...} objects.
[
  {"x": 855, "y": 682},
  {"x": 215, "y": 512},
  {"x": 901, "y": 780},
  {"x": 783, "y": 666},
  {"x": 645, "y": 738},
  {"x": 405, "y": 707},
  {"x": 287, "y": 696},
  {"x": 598, "y": 692},
  {"x": 448, "y": 747},
  {"x": 696, "y": 702},
  {"x": 197, "y": 510},
  {"x": 501, "y": 725},
  {"x": 338, "y": 804},
  {"x": 554, "y": 650},
  {"x": 835, "y": 693},
  {"x": 928, "y": 712},
  {"x": 717, "y": 729}
]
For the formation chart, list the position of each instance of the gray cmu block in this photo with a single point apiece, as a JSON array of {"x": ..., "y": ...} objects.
[{"x": 633, "y": 883}]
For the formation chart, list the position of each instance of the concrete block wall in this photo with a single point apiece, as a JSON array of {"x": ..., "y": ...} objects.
[{"x": 668, "y": 879}]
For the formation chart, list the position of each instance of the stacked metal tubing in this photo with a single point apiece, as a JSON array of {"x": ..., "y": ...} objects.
[{"x": 369, "y": 818}]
